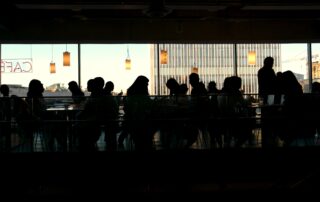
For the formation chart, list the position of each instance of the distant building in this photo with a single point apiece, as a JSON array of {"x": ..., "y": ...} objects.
[
  {"x": 17, "y": 89},
  {"x": 299, "y": 76},
  {"x": 316, "y": 70},
  {"x": 53, "y": 90},
  {"x": 56, "y": 87},
  {"x": 213, "y": 62}
]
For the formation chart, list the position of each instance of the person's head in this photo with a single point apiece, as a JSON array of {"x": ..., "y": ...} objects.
[
  {"x": 90, "y": 85},
  {"x": 35, "y": 88},
  {"x": 268, "y": 62},
  {"x": 99, "y": 83},
  {"x": 315, "y": 87},
  {"x": 212, "y": 87},
  {"x": 4, "y": 89},
  {"x": 236, "y": 82},
  {"x": 109, "y": 86},
  {"x": 290, "y": 83},
  {"x": 73, "y": 86},
  {"x": 279, "y": 74},
  {"x": 193, "y": 79},
  {"x": 173, "y": 85},
  {"x": 142, "y": 81},
  {"x": 139, "y": 86}
]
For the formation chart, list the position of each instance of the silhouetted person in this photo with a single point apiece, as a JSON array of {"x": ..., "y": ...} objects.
[
  {"x": 4, "y": 89},
  {"x": 97, "y": 90},
  {"x": 212, "y": 109},
  {"x": 88, "y": 130},
  {"x": 298, "y": 110},
  {"x": 198, "y": 109},
  {"x": 37, "y": 107},
  {"x": 35, "y": 98},
  {"x": 48, "y": 131},
  {"x": 175, "y": 106},
  {"x": 198, "y": 88},
  {"x": 266, "y": 79},
  {"x": 77, "y": 94},
  {"x": 5, "y": 118},
  {"x": 232, "y": 109},
  {"x": 111, "y": 126},
  {"x": 23, "y": 115},
  {"x": 315, "y": 104},
  {"x": 173, "y": 86},
  {"x": 212, "y": 88},
  {"x": 315, "y": 87},
  {"x": 267, "y": 82},
  {"x": 90, "y": 86},
  {"x": 183, "y": 89},
  {"x": 137, "y": 109},
  {"x": 108, "y": 88},
  {"x": 279, "y": 94},
  {"x": 99, "y": 110}
]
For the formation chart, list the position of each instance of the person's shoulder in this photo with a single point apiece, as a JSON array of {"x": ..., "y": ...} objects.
[{"x": 261, "y": 71}]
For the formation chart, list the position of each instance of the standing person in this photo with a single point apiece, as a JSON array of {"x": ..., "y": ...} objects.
[
  {"x": 37, "y": 106},
  {"x": 198, "y": 109},
  {"x": 138, "y": 107},
  {"x": 266, "y": 79},
  {"x": 5, "y": 117},
  {"x": 77, "y": 94}
]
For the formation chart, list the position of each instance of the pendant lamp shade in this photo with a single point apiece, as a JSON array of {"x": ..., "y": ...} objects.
[
  {"x": 66, "y": 58},
  {"x": 194, "y": 70},
  {"x": 52, "y": 64},
  {"x": 164, "y": 57},
  {"x": 128, "y": 60},
  {"x": 252, "y": 57},
  {"x": 52, "y": 67},
  {"x": 128, "y": 64}
]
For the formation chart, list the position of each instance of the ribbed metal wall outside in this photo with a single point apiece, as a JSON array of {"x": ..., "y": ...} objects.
[{"x": 215, "y": 62}]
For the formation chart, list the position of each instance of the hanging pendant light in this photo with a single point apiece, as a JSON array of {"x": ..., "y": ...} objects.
[
  {"x": 194, "y": 68},
  {"x": 128, "y": 60},
  {"x": 66, "y": 57},
  {"x": 252, "y": 57},
  {"x": 52, "y": 64},
  {"x": 163, "y": 57},
  {"x": 52, "y": 67}
]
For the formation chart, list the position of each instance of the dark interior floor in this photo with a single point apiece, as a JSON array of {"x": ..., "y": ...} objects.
[{"x": 185, "y": 171}]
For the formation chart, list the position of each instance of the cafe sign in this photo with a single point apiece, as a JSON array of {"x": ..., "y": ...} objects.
[{"x": 16, "y": 65}]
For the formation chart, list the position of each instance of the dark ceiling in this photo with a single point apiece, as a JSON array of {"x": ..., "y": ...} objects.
[{"x": 159, "y": 20}]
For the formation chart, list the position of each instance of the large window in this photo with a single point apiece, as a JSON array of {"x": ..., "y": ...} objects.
[
  {"x": 108, "y": 61},
  {"x": 21, "y": 63},
  {"x": 287, "y": 57},
  {"x": 213, "y": 62},
  {"x": 248, "y": 70},
  {"x": 316, "y": 62},
  {"x": 294, "y": 57}
]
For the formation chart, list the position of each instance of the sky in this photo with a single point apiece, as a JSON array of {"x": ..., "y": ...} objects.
[{"x": 108, "y": 61}]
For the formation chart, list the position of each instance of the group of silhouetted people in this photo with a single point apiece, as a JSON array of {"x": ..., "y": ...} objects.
[
  {"x": 296, "y": 116},
  {"x": 180, "y": 119}
]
